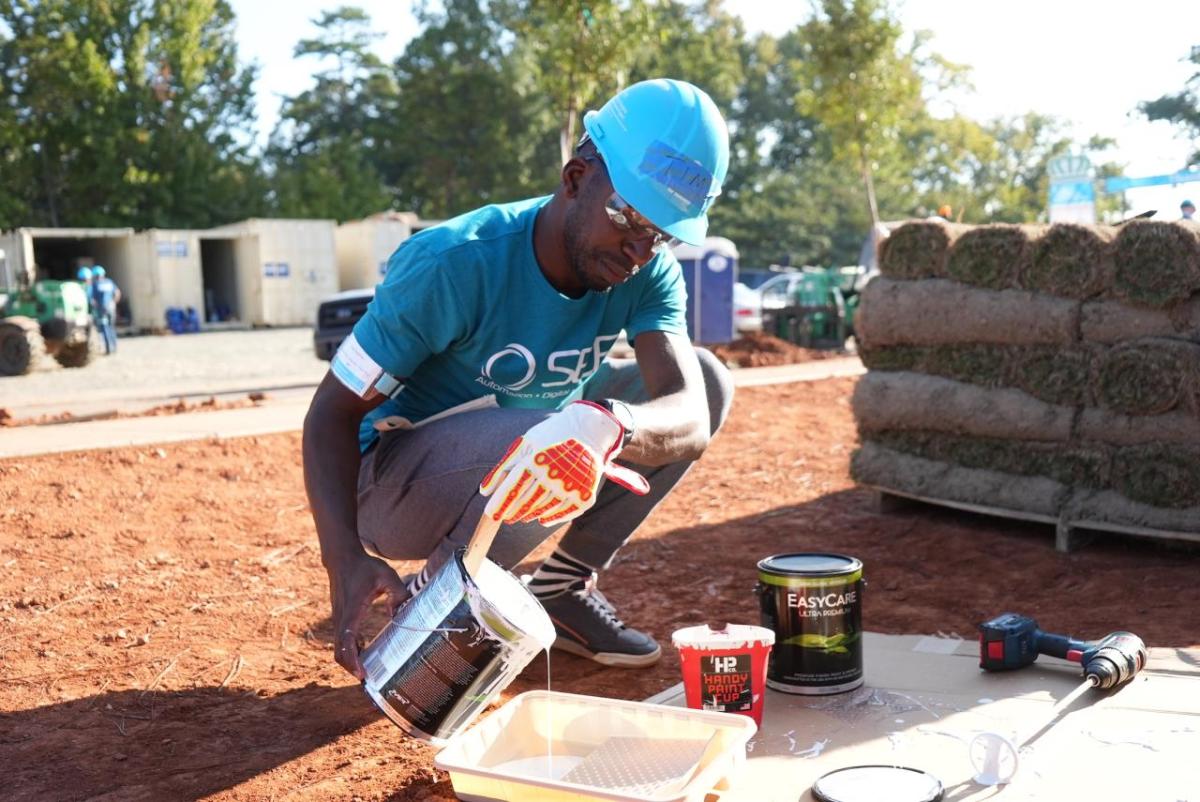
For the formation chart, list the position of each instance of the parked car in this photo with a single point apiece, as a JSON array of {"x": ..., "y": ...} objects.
[
  {"x": 755, "y": 277},
  {"x": 336, "y": 316},
  {"x": 747, "y": 309}
]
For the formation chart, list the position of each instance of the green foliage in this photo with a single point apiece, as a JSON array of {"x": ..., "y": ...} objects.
[
  {"x": 127, "y": 112},
  {"x": 577, "y": 52},
  {"x": 470, "y": 126},
  {"x": 136, "y": 112},
  {"x": 323, "y": 152},
  {"x": 858, "y": 84},
  {"x": 697, "y": 42},
  {"x": 1181, "y": 108}
]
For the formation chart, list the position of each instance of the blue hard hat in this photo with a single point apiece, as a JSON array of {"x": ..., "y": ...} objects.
[
  {"x": 1187, "y": 203},
  {"x": 83, "y": 273},
  {"x": 666, "y": 148},
  {"x": 98, "y": 271}
]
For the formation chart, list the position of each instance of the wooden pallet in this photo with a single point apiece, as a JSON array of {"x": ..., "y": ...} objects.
[{"x": 1069, "y": 534}]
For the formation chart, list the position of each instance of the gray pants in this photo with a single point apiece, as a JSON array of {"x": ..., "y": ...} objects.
[{"x": 418, "y": 490}]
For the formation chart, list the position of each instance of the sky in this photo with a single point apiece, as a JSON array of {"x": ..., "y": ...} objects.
[{"x": 1089, "y": 63}]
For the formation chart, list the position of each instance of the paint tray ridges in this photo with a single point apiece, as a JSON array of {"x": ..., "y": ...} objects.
[{"x": 641, "y": 766}]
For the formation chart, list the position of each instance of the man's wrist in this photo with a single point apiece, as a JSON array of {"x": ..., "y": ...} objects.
[
  {"x": 624, "y": 416},
  {"x": 336, "y": 556}
]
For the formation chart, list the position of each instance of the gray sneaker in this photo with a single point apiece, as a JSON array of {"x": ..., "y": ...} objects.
[{"x": 587, "y": 625}]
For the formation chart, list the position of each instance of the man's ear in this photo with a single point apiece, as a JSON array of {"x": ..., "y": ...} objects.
[{"x": 574, "y": 172}]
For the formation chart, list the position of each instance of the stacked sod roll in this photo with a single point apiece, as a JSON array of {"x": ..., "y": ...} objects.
[{"x": 1040, "y": 370}]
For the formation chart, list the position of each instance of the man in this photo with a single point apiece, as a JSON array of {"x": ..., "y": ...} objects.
[
  {"x": 85, "y": 277},
  {"x": 1187, "y": 209},
  {"x": 512, "y": 310},
  {"x": 105, "y": 295}
]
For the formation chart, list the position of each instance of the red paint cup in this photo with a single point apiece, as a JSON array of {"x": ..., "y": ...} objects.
[{"x": 725, "y": 667}]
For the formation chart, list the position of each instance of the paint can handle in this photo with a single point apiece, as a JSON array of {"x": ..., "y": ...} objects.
[{"x": 481, "y": 541}]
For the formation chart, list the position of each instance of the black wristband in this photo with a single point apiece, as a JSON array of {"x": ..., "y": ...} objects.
[{"x": 624, "y": 415}]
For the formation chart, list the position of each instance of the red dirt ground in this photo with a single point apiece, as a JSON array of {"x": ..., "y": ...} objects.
[
  {"x": 757, "y": 350},
  {"x": 164, "y": 630}
]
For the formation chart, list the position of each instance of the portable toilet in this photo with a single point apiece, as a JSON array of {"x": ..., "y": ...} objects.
[{"x": 709, "y": 273}]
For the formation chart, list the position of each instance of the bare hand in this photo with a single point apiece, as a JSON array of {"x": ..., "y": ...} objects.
[{"x": 353, "y": 586}]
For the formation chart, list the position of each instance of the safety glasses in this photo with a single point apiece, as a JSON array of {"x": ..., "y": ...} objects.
[{"x": 628, "y": 219}]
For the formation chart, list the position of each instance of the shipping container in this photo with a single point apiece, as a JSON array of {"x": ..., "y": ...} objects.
[
  {"x": 9, "y": 244},
  {"x": 364, "y": 247},
  {"x": 56, "y": 254},
  {"x": 268, "y": 272},
  {"x": 164, "y": 273}
]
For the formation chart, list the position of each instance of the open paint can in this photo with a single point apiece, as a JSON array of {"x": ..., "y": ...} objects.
[
  {"x": 725, "y": 667},
  {"x": 813, "y": 604},
  {"x": 453, "y": 647}
]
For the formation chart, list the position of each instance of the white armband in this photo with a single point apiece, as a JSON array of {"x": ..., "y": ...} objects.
[{"x": 361, "y": 374}]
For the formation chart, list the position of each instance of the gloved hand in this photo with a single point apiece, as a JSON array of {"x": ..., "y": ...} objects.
[{"x": 552, "y": 473}]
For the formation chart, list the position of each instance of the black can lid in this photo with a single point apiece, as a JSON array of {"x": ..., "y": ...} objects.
[
  {"x": 874, "y": 783},
  {"x": 809, "y": 564}
]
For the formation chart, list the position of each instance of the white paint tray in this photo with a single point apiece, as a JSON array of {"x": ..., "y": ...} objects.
[{"x": 545, "y": 746}]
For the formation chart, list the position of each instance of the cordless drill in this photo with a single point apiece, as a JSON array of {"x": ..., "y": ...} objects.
[{"x": 1011, "y": 641}]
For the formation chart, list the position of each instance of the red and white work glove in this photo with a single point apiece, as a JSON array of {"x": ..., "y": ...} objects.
[{"x": 552, "y": 473}]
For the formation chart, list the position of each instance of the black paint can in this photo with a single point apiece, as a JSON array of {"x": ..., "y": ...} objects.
[{"x": 813, "y": 602}]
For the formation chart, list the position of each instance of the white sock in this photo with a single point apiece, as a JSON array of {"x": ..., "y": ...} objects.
[{"x": 559, "y": 574}]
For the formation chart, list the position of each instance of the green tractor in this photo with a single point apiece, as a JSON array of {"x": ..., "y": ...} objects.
[{"x": 51, "y": 317}]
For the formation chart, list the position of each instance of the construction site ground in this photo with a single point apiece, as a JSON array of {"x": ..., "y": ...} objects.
[{"x": 165, "y": 632}]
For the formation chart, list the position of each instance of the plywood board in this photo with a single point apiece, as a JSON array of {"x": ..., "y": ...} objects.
[{"x": 925, "y": 698}]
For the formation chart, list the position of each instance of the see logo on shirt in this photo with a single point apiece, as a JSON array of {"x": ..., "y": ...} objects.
[{"x": 514, "y": 367}]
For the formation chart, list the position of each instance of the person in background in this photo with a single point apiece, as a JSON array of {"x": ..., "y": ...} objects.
[
  {"x": 105, "y": 295},
  {"x": 1186, "y": 210},
  {"x": 84, "y": 276}
]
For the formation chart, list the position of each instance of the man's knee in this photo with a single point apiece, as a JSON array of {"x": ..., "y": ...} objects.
[{"x": 718, "y": 386}]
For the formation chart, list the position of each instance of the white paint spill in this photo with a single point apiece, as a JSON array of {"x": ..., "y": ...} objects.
[
  {"x": 899, "y": 721},
  {"x": 919, "y": 704},
  {"x": 984, "y": 700},
  {"x": 791, "y": 740},
  {"x": 895, "y": 739},
  {"x": 1128, "y": 739},
  {"x": 945, "y": 734},
  {"x": 813, "y": 751}
]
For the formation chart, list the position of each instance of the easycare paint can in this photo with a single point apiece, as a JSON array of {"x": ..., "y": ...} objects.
[
  {"x": 813, "y": 603},
  {"x": 453, "y": 647}
]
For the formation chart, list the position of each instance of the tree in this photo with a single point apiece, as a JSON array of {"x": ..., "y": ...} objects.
[
  {"x": 577, "y": 51},
  {"x": 470, "y": 126},
  {"x": 325, "y": 151},
  {"x": 858, "y": 84},
  {"x": 1182, "y": 108},
  {"x": 129, "y": 112},
  {"x": 697, "y": 42}
]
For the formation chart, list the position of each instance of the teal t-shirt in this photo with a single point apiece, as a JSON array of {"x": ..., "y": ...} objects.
[{"x": 465, "y": 312}]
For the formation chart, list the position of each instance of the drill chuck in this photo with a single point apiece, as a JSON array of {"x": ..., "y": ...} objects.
[{"x": 1115, "y": 660}]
